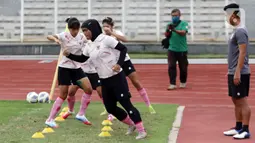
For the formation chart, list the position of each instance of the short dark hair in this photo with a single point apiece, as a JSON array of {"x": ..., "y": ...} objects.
[
  {"x": 235, "y": 7},
  {"x": 73, "y": 23},
  {"x": 109, "y": 21},
  {"x": 176, "y": 10}
]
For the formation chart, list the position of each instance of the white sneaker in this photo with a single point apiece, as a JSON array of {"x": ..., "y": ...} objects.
[
  {"x": 141, "y": 135},
  {"x": 182, "y": 85},
  {"x": 230, "y": 132},
  {"x": 83, "y": 119},
  {"x": 171, "y": 87},
  {"x": 242, "y": 135},
  {"x": 131, "y": 129},
  {"x": 51, "y": 124}
]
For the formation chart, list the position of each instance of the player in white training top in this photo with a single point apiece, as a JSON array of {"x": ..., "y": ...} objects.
[
  {"x": 70, "y": 72},
  {"x": 128, "y": 67},
  {"x": 93, "y": 77},
  {"x": 107, "y": 55}
]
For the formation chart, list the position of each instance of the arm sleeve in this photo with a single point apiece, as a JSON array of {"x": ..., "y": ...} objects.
[
  {"x": 110, "y": 42},
  {"x": 78, "y": 58},
  {"x": 241, "y": 36},
  {"x": 123, "y": 52}
]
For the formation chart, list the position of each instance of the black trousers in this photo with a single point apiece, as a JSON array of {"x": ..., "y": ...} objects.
[
  {"x": 115, "y": 89},
  {"x": 182, "y": 59}
]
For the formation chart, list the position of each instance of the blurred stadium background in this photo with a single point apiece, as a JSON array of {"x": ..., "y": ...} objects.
[{"x": 142, "y": 21}]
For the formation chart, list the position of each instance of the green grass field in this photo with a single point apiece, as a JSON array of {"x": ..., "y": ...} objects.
[
  {"x": 164, "y": 56},
  {"x": 20, "y": 120}
]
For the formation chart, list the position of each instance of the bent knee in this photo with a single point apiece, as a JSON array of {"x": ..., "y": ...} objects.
[
  {"x": 63, "y": 95},
  {"x": 88, "y": 90}
]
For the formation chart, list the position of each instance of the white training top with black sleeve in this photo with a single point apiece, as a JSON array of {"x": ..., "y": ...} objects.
[
  {"x": 74, "y": 45},
  {"x": 103, "y": 55}
]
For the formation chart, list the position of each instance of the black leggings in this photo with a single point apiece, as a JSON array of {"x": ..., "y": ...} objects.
[{"x": 115, "y": 89}]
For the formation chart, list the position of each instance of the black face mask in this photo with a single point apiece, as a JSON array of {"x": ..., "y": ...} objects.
[{"x": 93, "y": 26}]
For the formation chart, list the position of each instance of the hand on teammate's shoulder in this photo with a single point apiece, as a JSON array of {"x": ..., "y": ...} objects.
[
  {"x": 65, "y": 52},
  {"x": 116, "y": 68}
]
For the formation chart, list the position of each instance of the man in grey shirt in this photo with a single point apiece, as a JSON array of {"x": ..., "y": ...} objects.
[{"x": 238, "y": 72}]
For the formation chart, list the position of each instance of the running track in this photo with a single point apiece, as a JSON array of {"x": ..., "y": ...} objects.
[{"x": 208, "y": 110}]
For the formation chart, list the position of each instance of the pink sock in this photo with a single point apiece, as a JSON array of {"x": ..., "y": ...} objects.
[
  {"x": 71, "y": 101},
  {"x": 145, "y": 97},
  {"x": 128, "y": 121},
  {"x": 85, "y": 100},
  {"x": 55, "y": 108},
  {"x": 140, "y": 127}
]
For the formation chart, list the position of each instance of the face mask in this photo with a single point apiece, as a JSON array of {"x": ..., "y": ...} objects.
[{"x": 175, "y": 19}]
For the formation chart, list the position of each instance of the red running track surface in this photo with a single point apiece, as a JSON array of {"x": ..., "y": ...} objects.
[{"x": 208, "y": 111}]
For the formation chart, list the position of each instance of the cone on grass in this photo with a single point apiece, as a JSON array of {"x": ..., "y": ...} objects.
[
  {"x": 106, "y": 123},
  {"x": 65, "y": 109},
  {"x": 104, "y": 134},
  {"x": 59, "y": 119},
  {"x": 106, "y": 129},
  {"x": 38, "y": 135},
  {"x": 62, "y": 113},
  {"x": 47, "y": 130}
]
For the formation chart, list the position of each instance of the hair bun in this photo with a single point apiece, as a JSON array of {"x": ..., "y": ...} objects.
[{"x": 110, "y": 19}]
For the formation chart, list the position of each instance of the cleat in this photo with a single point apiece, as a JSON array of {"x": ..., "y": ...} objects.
[
  {"x": 131, "y": 129},
  {"x": 152, "y": 111},
  {"x": 242, "y": 135},
  {"x": 83, "y": 119},
  {"x": 67, "y": 114},
  {"x": 103, "y": 113},
  {"x": 141, "y": 135},
  {"x": 51, "y": 124},
  {"x": 111, "y": 117}
]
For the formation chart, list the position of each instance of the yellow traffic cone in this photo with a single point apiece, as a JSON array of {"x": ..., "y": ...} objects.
[
  {"x": 62, "y": 113},
  {"x": 104, "y": 134},
  {"x": 38, "y": 135},
  {"x": 65, "y": 109},
  {"x": 59, "y": 119},
  {"x": 106, "y": 129},
  {"x": 106, "y": 123},
  {"x": 47, "y": 130}
]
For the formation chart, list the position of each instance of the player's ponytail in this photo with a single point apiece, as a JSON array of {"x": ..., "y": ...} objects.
[{"x": 109, "y": 21}]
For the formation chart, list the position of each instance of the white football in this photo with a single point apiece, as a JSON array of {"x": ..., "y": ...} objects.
[
  {"x": 43, "y": 97},
  {"x": 32, "y": 97}
]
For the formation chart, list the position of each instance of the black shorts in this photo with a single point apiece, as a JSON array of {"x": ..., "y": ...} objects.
[
  {"x": 115, "y": 88},
  {"x": 128, "y": 67},
  {"x": 68, "y": 76},
  {"x": 241, "y": 90},
  {"x": 94, "y": 80}
]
